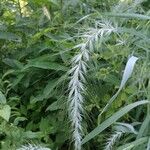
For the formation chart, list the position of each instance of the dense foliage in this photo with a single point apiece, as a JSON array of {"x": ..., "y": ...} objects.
[{"x": 74, "y": 74}]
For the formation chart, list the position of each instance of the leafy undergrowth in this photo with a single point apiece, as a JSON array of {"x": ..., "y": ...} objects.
[{"x": 74, "y": 74}]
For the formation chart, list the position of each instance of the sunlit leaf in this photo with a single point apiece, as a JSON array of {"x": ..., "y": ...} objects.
[{"x": 5, "y": 112}]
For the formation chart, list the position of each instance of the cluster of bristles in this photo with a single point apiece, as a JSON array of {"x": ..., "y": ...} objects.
[
  {"x": 33, "y": 147},
  {"x": 91, "y": 38},
  {"x": 77, "y": 73}
]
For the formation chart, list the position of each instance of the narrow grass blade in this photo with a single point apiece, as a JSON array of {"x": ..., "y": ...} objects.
[
  {"x": 133, "y": 144},
  {"x": 127, "y": 74},
  {"x": 143, "y": 127},
  {"x": 112, "y": 120},
  {"x": 148, "y": 144},
  {"x": 127, "y": 15}
]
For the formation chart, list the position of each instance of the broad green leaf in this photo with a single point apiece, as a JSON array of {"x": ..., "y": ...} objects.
[
  {"x": 48, "y": 90},
  {"x": 126, "y": 75},
  {"x": 55, "y": 106},
  {"x": 2, "y": 98},
  {"x": 5, "y": 112},
  {"x": 37, "y": 98},
  {"x": 112, "y": 120},
  {"x": 17, "y": 79},
  {"x": 51, "y": 85},
  {"x": 9, "y": 36},
  {"x": 46, "y": 65},
  {"x": 32, "y": 135},
  {"x": 13, "y": 63},
  {"x": 45, "y": 58},
  {"x": 45, "y": 126}
]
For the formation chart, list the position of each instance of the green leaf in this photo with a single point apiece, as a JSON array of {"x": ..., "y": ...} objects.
[
  {"x": 51, "y": 85},
  {"x": 32, "y": 135},
  {"x": 148, "y": 144},
  {"x": 7, "y": 73},
  {"x": 133, "y": 144},
  {"x": 2, "y": 98},
  {"x": 55, "y": 106},
  {"x": 46, "y": 65},
  {"x": 127, "y": 15},
  {"x": 13, "y": 63},
  {"x": 112, "y": 120},
  {"x": 45, "y": 126},
  {"x": 133, "y": 32},
  {"x": 144, "y": 126},
  {"x": 9, "y": 36},
  {"x": 18, "y": 119},
  {"x": 128, "y": 71},
  {"x": 5, "y": 112},
  {"x": 17, "y": 80},
  {"x": 126, "y": 75},
  {"x": 37, "y": 98}
]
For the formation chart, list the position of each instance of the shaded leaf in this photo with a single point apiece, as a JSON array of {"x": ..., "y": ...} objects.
[{"x": 9, "y": 36}]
